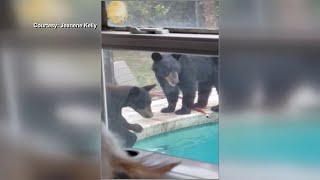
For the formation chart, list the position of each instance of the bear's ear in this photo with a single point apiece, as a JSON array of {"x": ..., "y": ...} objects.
[
  {"x": 176, "y": 56},
  {"x": 149, "y": 87},
  {"x": 134, "y": 91},
  {"x": 156, "y": 57}
]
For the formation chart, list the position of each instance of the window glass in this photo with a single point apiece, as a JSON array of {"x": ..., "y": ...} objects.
[
  {"x": 164, "y": 13},
  {"x": 145, "y": 120}
]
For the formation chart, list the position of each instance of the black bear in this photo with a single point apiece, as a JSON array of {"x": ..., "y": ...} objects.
[
  {"x": 184, "y": 72},
  {"x": 137, "y": 98}
]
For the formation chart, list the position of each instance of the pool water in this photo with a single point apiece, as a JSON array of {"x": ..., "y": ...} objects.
[
  {"x": 295, "y": 141},
  {"x": 197, "y": 143}
]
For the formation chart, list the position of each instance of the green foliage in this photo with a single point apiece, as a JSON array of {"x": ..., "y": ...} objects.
[
  {"x": 161, "y": 10},
  {"x": 167, "y": 13}
]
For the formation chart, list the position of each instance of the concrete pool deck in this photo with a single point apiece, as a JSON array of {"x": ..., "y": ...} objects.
[{"x": 165, "y": 122}]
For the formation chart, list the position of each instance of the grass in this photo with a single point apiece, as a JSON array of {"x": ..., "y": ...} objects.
[{"x": 140, "y": 63}]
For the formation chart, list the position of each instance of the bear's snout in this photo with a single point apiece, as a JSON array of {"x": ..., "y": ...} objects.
[
  {"x": 172, "y": 79},
  {"x": 146, "y": 112}
]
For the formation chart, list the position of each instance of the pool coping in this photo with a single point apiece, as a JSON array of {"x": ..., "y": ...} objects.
[
  {"x": 166, "y": 122},
  {"x": 175, "y": 124}
]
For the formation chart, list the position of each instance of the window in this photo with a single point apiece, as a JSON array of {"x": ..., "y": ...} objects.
[
  {"x": 168, "y": 133},
  {"x": 175, "y": 15},
  {"x": 128, "y": 60}
]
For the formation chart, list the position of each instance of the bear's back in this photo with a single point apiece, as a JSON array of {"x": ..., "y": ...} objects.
[{"x": 202, "y": 67}]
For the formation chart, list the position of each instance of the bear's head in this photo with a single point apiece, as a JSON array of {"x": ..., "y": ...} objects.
[
  {"x": 140, "y": 100},
  {"x": 167, "y": 66}
]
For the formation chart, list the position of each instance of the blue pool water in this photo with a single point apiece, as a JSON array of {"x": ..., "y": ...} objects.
[
  {"x": 297, "y": 141},
  {"x": 198, "y": 143}
]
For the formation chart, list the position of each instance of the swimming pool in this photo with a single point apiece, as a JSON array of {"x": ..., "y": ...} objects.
[{"x": 197, "y": 143}]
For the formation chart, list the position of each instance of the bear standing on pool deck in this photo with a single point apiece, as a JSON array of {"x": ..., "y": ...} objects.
[{"x": 177, "y": 71}]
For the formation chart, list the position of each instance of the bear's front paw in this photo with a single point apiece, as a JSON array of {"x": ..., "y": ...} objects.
[
  {"x": 167, "y": 110},
  {"x": 215, "y": 108},
  {"x": 137, "y": 128},
  {"x": 198, "y": 105},
  {"x": 183, "y": 111}
]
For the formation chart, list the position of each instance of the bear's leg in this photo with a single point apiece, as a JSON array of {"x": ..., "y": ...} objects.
[
  {"x": 215, "y": 108},
  {"x": 187, "y": 103},
  {"x": 188, "y": 92},
  {"x": 204, "y": 90},
  {"x": 133, "y": 127},
  {"x": 136, "y": 128},
  {"x": 129, "y": 138},
  {"x": 172, "y": 98}
]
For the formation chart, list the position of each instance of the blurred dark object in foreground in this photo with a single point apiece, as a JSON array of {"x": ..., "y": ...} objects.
[
  {"x": 270, "y": 83},
  {"x": 7, "y": 18},
  {"x": 42, "y": 161},
  {"x": 271, "y": 80},
  {"x": 270, "y": 55},
  {"x": 49, "y": 92}
]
